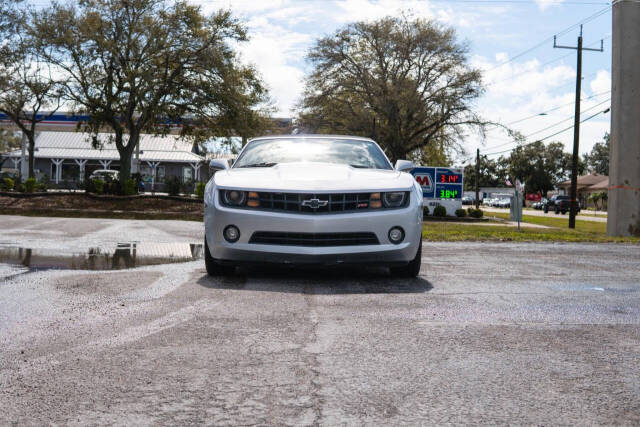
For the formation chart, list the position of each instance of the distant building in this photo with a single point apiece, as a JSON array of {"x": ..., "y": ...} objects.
[
  {"x": 66, "y": 159},
  {"x": 493, "y": 192},
  {"x": 587, "y": 184}
]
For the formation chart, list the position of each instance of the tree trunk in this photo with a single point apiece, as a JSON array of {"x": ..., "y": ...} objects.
[
  {"x": 126, "y": 153},
  {"x": 32, "y": 148}
]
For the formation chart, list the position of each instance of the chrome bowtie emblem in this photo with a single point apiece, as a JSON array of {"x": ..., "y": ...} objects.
[{"x": 314, "y": 203}]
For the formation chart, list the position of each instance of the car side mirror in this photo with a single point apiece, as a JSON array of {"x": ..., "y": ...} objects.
[
  {"x": 219, "y": 164},
  {"x": 404, "y": 165}
]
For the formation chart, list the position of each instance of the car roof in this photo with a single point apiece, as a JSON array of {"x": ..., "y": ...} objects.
[{"x": 312, "y": 135}]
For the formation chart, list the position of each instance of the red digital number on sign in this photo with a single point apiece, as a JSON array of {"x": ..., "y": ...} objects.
[{"x": 449, "y": 179}]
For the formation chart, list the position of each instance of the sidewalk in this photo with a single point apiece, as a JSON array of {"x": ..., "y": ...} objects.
[{"x": 533, "y": 212}]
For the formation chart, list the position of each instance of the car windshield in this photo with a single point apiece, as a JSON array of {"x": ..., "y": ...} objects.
[{"x": 352, "y": 152}]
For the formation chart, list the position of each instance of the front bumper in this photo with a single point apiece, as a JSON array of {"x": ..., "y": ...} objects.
[{"x": 217, "y": 217}]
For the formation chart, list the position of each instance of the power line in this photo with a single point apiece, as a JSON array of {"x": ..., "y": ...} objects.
[
  {"x": 544, "y": 113},
  {"x": 549, "y": 136},
  {"x": 570, "y": 118},
  {"x": 550, "y": 126}
]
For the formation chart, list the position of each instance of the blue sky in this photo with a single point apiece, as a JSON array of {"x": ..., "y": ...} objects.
[{"x": 517, "y": 87}]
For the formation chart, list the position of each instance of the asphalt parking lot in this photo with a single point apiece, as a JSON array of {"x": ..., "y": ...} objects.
[{"x": 489, "y": 333}]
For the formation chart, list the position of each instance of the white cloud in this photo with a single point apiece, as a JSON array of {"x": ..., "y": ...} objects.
[
  {"x": 602, "y": 82},
  {"x": 544, "y": 4}
]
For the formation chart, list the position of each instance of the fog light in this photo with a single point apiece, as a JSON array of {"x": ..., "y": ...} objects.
[
  {"x": 396, "y": 235},
  {"x": 231, "y": 233}
]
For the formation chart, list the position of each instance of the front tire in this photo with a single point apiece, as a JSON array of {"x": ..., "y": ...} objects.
[
  {"x": 412, "y": 269},
  {"x": 213, "y": 268}
]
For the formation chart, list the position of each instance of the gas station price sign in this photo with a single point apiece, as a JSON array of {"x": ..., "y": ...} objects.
[
  {"x": 446, "y": 176},
  {"x": 439, "y": 183}
]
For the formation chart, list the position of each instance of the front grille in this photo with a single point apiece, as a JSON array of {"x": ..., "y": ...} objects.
[
  {"x": 313, "y": 239},
  {"x": 333, "y": 202},
  {"x": 292, "y": 202}
]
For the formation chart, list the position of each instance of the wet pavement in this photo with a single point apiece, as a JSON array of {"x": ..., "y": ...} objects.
[
  {"x": 490, "y": 333},
  {"x": 122, "y": 255}
]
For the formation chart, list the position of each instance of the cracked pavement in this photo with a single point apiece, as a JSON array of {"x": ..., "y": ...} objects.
[{"x": 495, "y": 333}]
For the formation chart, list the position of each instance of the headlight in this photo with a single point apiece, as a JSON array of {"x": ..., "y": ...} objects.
[
  {"x": 234, "y": 197},
  {"x": 393, "y": 199}
]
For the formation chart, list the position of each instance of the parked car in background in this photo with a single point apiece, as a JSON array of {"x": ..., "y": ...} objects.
[
  {"x": 105, "y": 175},
  {"x": 488, "y": 201},
  {"x": 559, "y": 204},
  {"x": 466, "y": 200},
  {"x": 503, "y": 203},
  {"x": 540, "y": 204}
]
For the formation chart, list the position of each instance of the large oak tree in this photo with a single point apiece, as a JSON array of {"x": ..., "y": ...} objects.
[
  {"x": 405, "y": 82},
  {"x": 29, "y": 93},
  {"x": 138, "y": 66}
]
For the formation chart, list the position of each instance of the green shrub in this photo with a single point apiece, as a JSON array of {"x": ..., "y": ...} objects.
[
  {"x": 476, "y": 213},
  {"x": 8, "y": 184},
  {"x": 95, "y": 186},
  {"x": 461, "y": 213},
  {"x": 200, "y": 190},
  {"x": 439, "y": 211},
  {"x": 173, "y": 186},
  {"x": 130, "y": 187},
  {"x": 425, "y": 211},
  {"x": 42, "y": 187},
  {"x": 30, "y": 185}
]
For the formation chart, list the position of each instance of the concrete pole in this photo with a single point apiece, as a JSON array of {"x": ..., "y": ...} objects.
[{"x": 624, "y": 165}]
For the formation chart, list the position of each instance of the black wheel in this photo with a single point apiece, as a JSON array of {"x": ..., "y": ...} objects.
[
  {"x": 213, "y": 268},
  {"x": 546, "y": 209},
  {"x": 412, "y": 269},
  {"x": 564, "y": 212}
]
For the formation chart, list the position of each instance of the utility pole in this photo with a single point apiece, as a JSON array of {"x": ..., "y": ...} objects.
[
  {"x": 477, "y": 178},
  {"x": 623, "y": 206},
  {"x": 576, "y": 125}
]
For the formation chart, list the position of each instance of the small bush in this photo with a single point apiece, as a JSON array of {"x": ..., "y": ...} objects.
[
  {"x": 476, "y": 213},
  {"x": 425, "y": 211},
  {"x": 42, "y": 187},
  {"x": 30, "y": 185},
  {"x": 8, "y": 184},
  {"x": 173, "y": 186},
  {"x": 439, "y": 211},
  {"x": 461, "y": 213},
  {"x": 130, "y": 187},
  {"x": 95, "y": 186},
  {"x": 200, "y": 190}
]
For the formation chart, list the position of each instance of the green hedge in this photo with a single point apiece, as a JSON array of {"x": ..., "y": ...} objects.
[{"x": 439, "y": 211}]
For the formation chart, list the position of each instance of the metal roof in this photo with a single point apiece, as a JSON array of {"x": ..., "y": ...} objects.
[
  {"x": 76, "y": 145},
  {"x": 313, "y": 135}
]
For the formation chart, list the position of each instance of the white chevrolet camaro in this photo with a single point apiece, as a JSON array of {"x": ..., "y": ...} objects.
[{"x": 313, "y": 199}]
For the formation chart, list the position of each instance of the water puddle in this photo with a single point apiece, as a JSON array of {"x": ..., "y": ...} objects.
[{"x": 123, "y": 256}]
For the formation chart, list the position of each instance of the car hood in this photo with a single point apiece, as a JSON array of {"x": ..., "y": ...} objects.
[{"x": 315, "y": 177}]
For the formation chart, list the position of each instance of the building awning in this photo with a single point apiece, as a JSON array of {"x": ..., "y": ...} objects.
[{"x": 76, "y": 145}]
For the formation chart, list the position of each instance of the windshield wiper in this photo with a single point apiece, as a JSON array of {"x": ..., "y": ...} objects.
[
  {"x": 258, "y": 165},
  {"x": 360, "y": 166}
]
